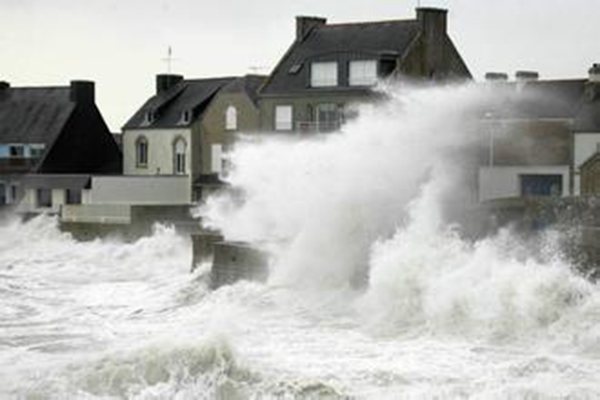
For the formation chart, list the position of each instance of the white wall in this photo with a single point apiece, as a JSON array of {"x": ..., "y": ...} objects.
[
  {"x": 586, "y": 145},
  {"x": 142, "y": 190},
  {"x": 160, "y": 151},
  {"x": 503, "y": 182},
  {"x": 29, "y": 201}
]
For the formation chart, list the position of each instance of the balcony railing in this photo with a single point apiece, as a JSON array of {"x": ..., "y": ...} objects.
[
  {"x": 318, "y": 126},
  {"x": 17, "y": 164}
]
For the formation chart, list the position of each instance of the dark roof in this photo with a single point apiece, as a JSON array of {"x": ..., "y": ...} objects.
[
  {"x": 248, "y": 84},
  {"x": 548, "y": 99},
  {"x": 339, "y": 41},
  {"x": 192, "y": 95},
  {"x": 57, "y": 181},
  {"x": 34, "y": 115}
]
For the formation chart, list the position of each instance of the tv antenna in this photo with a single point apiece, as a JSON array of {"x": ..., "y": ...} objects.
[{"x": 169, "y": 59}]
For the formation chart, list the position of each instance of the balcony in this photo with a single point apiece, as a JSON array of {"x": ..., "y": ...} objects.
[
  {"x": 318, "y": 126},
  {"x": 17, "y": 164}
]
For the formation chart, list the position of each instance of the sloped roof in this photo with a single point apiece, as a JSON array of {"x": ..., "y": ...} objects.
[
  {"x": 34, "y": 115},
  {"x": 188, "y": 95},
  {"x": 355, "y": 39},
  {"x": 248, "y": 84}
]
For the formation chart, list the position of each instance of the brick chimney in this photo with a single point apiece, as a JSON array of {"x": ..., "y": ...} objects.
[
  {"x": 527, "y": 76},
  {"x": 306, "y": 24},
  {"x": 165, "y": 82},
  {"x": 433, "y": 24},
  {"x": 592, "y": 86},
  {"x": 82, "y": 92}
]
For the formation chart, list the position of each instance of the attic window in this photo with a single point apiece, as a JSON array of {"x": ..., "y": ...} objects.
[
  {"x": 186, "y": 116},
  {"x": 149, "y": 117},
  {"x": 295, "y": 69},
  {"x": 323, "y": 74},
  {"x": 231, "y": 118},
  {"x": 363, "y": 73}
]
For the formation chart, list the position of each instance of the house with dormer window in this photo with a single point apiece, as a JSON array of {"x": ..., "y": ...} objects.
[
  {"x": 51, "y": 139},
  {"x": 331, "y": 66}
]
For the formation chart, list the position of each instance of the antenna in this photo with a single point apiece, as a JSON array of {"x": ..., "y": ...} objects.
[{"x": 169, "y": 59}]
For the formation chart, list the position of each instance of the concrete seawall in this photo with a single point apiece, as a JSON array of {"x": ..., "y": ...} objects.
[{"x": 235, "y": 261}]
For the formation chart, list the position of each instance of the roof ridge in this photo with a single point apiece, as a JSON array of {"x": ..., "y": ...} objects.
[{"x": 385, "y": 21}]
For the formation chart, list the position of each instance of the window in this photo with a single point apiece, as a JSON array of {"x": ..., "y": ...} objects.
[
  {"x": 323, "y": 74},
  {"x": 2, "y": 194},
  {"x": 179, "y": 156},
  {"x": 149, "y": 117},
  {"x": 16, "y": 151},
  {"x": 14, "y": 193},
  {"x": 73, "y": 196},
  {"x": 363, "y": 73},
  {"x": 44, "y": 197},
  {"x": 283, "y": 118},
  {"x": 216, "y": 158},
  {"x": 231, "y": 118},
  {"x": 36, "y": 150},
  {"x": 541, "y": 185},
  {"x": 186, "y": 116},
  {"x": 141, "y": 152}
]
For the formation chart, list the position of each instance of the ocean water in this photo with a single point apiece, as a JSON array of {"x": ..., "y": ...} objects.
[{"x": 439, "y": 315}]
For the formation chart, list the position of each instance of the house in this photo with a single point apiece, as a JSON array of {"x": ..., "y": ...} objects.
[
  {"x": 47, "y": 136},
  {"x": 182, "y": 130},
  {"x": 173, "y": 150},
  {"x": 330, "y": 66},
  {"x": 537, "y": 134},
  {"x": 586, "y": 129}
]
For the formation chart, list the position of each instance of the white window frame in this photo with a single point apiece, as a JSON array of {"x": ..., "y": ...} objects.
[
  {"x": 141, "y": 158},
  {"x": 179, "y": 150},
  {"x": 284, "y": 117},
  {"x": 231, "y": 118},
  {"x": 324, "y": 74},
  {"x": 362, "y": 73}
]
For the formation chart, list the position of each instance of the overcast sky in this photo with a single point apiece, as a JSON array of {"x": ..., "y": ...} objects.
[{"x": 121, "y": 44}]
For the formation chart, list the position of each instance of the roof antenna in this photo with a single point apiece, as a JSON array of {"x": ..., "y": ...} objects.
[{"x": 169, "y": 59}]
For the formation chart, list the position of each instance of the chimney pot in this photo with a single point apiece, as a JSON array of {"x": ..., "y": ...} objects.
[
  {"x": 165, "y": 82},
  {"x": 526, "y": 76},
  {"x": 82, "y": 92},
  {"x": 594, "y": 73},
  {"x": 4, "y": 85},
  {"x": 496, "y": 77}
]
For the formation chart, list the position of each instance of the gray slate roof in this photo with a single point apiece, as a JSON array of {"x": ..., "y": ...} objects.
[
  {"x": 188, "y": 95},
  {"x": 248, "y": 84},
  {"x": 335, "y": 41},
  {"x": 588, "y": 117},
  {"x": 34, "y": 115}
]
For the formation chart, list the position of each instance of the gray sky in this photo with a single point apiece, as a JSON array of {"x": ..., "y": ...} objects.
[{"x": 120, "y": 44}]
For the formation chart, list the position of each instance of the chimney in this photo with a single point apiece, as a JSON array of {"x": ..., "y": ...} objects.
[
  {"x": 4, "y": 85},
  {"x": 496, "y": 77},
  {"x": 527, "y": 76},
  {"x": 594, "y": 73},
  {"x": 165, "y": 82},
  {"x": 304, "y": 25},
  {"x": 82, "y": 92},
  {"x": 433, "y": 23}
]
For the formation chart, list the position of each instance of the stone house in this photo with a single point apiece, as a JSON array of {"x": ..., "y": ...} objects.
[
  {"x": 47, "y": 136},
  {"x": 182, "y": 130},
  {"x": 330, "y": 66},
  {"x": 537, "y": 135}
]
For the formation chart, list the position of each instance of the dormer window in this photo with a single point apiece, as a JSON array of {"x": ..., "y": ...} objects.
[
  {"x": 16, "y": 151},
  {"x": 186, "y": 117},
  {"x": 149, "y": 117},
  {"x": 323, "y": 74},
  {"x": 231, "y": 118},
  {"x": 363, "y": 73}
]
